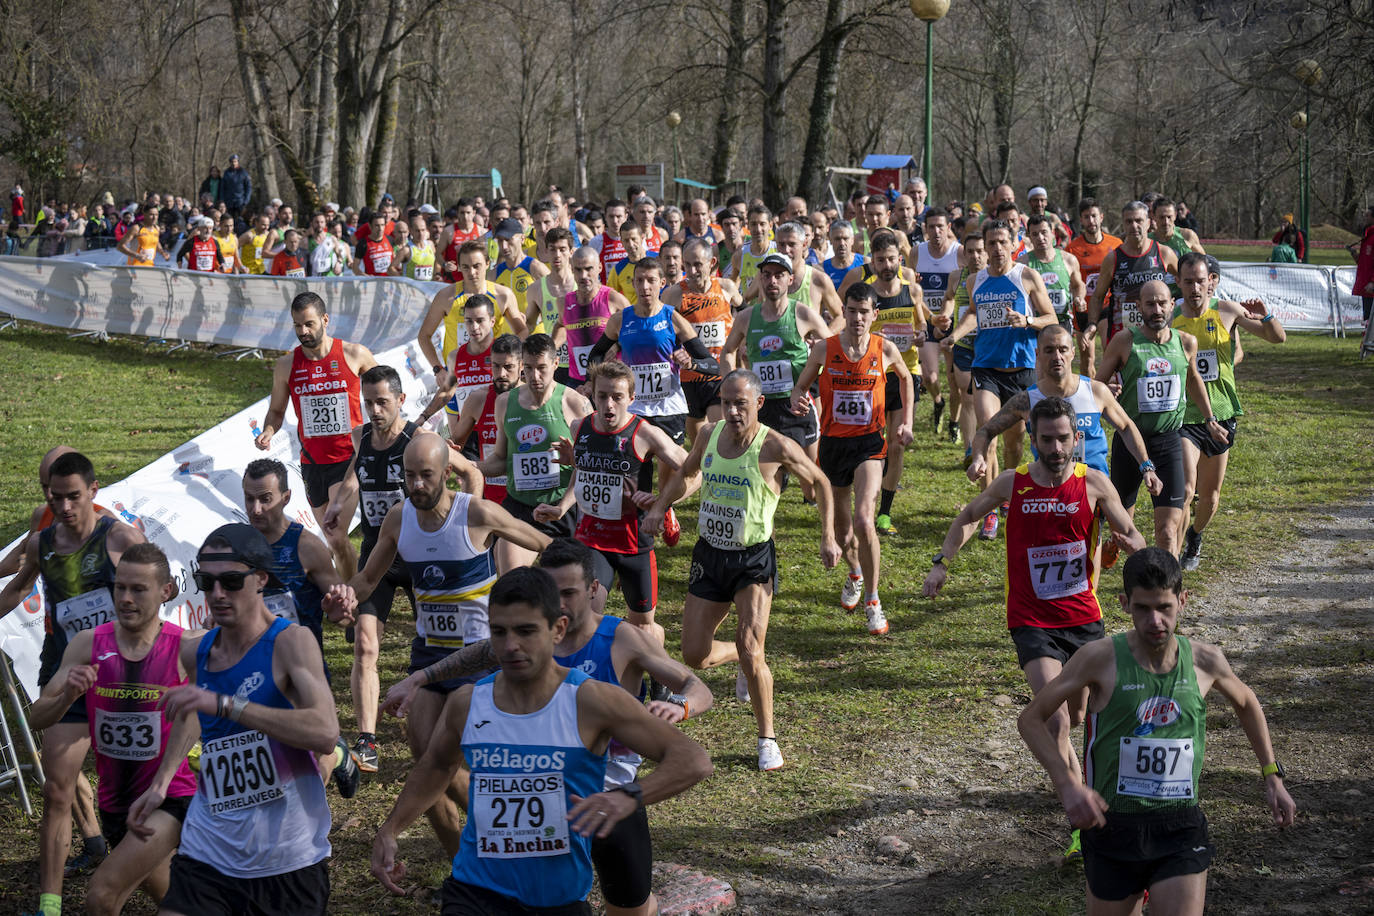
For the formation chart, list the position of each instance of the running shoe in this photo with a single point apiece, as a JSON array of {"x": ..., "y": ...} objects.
[
  {"x": 1192, "y": 549},
  {"x": 741, "y": 687},
  {"x": 347, "y": 774},
  {"x": 883, "y": 524},
  {"x": 1110, "y": 552},
  {"x": 770, "y": 757},
  {"x": 81, "y": 865},
  {"x": 953, "y": 432},
  {"x": 968, "y": 456},
  {"x": 989, "y": 531},
  {"x": 851, "y": 593},
  {"x": 877, "y": 621},
  {"x": 366, "y": 752},
  {"x": 672, "y": 529},
  {"x": 1075, "y": 848},
  {"x": 657, "y": 691},
  {"x": 938, "y": 411}
]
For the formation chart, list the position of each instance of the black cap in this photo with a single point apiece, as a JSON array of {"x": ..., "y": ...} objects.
[
  {"x": 776, "y": 259},
  {"x": 246, "y": 546},
  {"x": 508, "y": 228},
  {"x": 1213, "y": 265}
]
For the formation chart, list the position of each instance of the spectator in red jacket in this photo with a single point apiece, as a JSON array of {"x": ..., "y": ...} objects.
[{"x": 1363, "y": 252}]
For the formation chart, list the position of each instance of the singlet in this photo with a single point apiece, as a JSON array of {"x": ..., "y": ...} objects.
[
  {"x": 737, "y": 504},
  {"x": 1056, "y": 276},
  {"x": 147, "y": 245},
  {"x": 1051, "y": 540},
  {"x": 647, "y": 343},
  {"x": 1216, "y": 351},
  {"x": 605, "y": 463},
  {"x": 584, "y": 324},
  {"x": 1132, "y": 272},
  {"x": 802, "y": 296},
  {"x": 455, "y": 333},
  {"x": 517, "y": 840},
  {"x": 420, "y": 265},
  {"x": 517, "y": 279},
  {"x": 203, "y": 255},
  {"x": 1143, "y": 751},
  {"x": 776, "y": 351},
  {"x": 289, "y": 263},
  {"x": 612, "y": 253},
  {"x": 1001, "y": 346},
  {"x": 1092, "y": 448},
  {"x": 935, "y": 274},
  {"x": 836, "y": 273},
  {"x": 259, "y": 808},
  {"x": 595, "y": 660},
  {"x": 328, "y": 402},
  {"x": 711, "y": 315},
  {"x": 128, "y": 730},
  {"x": 77, "y": 589},
  {"x": 896, "y": 320},
  {"x": 471, "y": 371},
  {"x": 1090, "y": 255},
  {"x": 485, "y": 433},
  {"x": 228, "y": 250},
  {"x": 749, "y": 263},
  {"x": 376, "y": 257},
  {"x": 853, "y": 401},
  {"x": 962, "y": 305},
  {"x": 550, "y": 306},
  {"x": 381, "y": 481},
  {"x": 533, "y": 474},
  {"x": 621, "y": 278},
  {"x": 298, "y": 599},
  {"x": 450, "y": 575},
  {"x": 252, "y": 255},
  {"x": 1152, "y": 383}
]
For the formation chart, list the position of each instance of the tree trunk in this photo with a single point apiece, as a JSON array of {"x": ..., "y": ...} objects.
[
  {"x": 326, "y": 102},
  {"x": 579, "y": 112},
  {"x": 263, "y": 165},
  {"x": 823, "y": 103},
  {"x": 384, "y": 143},
  {"x": 774, "y": 96},
  {"x": 727, "y": 127}
]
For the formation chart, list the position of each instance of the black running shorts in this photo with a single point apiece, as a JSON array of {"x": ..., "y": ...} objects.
[
  {"x": 1134, "y": 851},
  {"x": 718, "y": 575},
  {"x": 197, "y": 889}
]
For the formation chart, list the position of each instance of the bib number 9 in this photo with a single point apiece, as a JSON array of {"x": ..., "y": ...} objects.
[{"x": 1207, "y": 365}]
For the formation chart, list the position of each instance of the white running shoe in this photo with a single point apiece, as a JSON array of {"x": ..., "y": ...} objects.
[
  {"x": 741, "y": 687},
  {"x": 877, "y": 622},
  {"x": 851, "y": 593},
  {"x": 770, "y": 757}
]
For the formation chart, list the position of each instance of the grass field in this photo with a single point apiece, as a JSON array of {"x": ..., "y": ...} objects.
[
  {"x": 1329, "y": 257},
  {"x": 849, "y": 707}
]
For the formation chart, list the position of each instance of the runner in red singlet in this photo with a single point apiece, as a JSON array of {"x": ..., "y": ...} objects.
[
  {"x": 475, "y": 430},
  {"x": 201, "y": 251}
]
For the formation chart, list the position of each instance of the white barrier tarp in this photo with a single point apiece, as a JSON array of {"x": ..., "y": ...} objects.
[
  {"x": 1299, "y": 295},
  {"x": 1351, "y": 309}
]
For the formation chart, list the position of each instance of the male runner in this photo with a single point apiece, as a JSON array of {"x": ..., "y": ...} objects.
[
  {"x": 448, "y": 309},
  {"x": 708, "y": 302},
  {"x": 76, "y": 555},
  {"x": 745, "y": 262},
  {"x": 732, "y": 240},
  {"x": 445, "y": 540},
  {"x": 1038, "y": 204},
  {"x": 463, "y": 228},
  {"x": 972, "y": 259},
  {"x": 875, "y": 215},
  {"x": 469, "y": 369},
  {"x": 291, "y": 260},
  {"x": 200, "y": 252},
  {"x": 142, "y": 244},
  {"x": 742, "y": 464},
  {"x": 621, "y": 276},
  {"x": 320, "y": 378},
  {"x": 420, "y": 262},
  {"x": 1090, "y": 246},
  {"x": 1212, "y": 322},
  {"x": 670, "y": 259},
  {"x": 1136, "y": 802},
  {"x": 937, "y": 267},
  {"x": 228, "y": 245},
  {"x": 810, "y": 287},
  {"x": 545, "y": 303},
  {"x": 904, "y": 220},
  {"x": 119, "y": 671},
  {"x": 845, "y": 258},
  {"x": 257, "y": 831},
  {"x": 1063, "y": 280},
  {"x": 372, "y": 256},
  {"x": 1155, "y": 362},
  {"x": 479, "y": 416},
  {"x": 853, "y": 368},
  {"x": 697, "y": 225},
  {"x": 537, "y": 762},
  {"x": 515, "y": 270},
  {"x": 607, "y": 245},
  {"x": 584, "y": 314},
  {"x": 643, "y": 213},
  {"x": 1126, "y": 269},
  {"x": 253, "y": 245},
  {"x": 1164, "y": 228}
]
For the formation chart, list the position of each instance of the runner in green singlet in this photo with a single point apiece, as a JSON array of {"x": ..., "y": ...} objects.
[
  {"x": 1142, "y": 829},
  {"x": 1059, "y": 270},
  {"x": 1163, "y": 229}
]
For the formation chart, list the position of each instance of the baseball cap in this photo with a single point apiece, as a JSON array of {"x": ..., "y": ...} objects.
[
  {"x": 776, "y": 259},
  {"x": 1213, "y": 265},
  {"x": 246, "y": 545},
  {"x": 428, "y": 209},
  {"x": 1037, "y": 191},
  {"x": 508, "y": 228},
  {"x": 388, "y": 199}
]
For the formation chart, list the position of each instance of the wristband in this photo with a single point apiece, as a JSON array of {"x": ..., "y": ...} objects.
[
  {"x": 221, "y": 699},
  {"x": 678, "y": 699},
  {"x": 1272, "y": 769},
  {"x": 1146, "y": 466},
  {"x": 236, "y": 706}
]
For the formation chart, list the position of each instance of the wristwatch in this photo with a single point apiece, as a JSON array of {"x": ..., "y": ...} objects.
[
  {"x": 939, "y": 560},
  {"x": 633, "y": 790},
  {"x": 1146, "y": 466},
  {"x": 1273, "y": 769},
  {"x": 437, "y": 368}
]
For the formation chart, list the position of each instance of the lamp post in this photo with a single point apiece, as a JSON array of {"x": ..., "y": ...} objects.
[
  {"x": 1309, "y": 73},
  {"x": 673, "y": 120},
  {"x": 929, "y": 12}
]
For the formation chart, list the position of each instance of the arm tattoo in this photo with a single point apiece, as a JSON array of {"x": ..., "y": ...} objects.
[
  {"x": 1008, "y": 416},
  {"x": 467, "y": 661}
]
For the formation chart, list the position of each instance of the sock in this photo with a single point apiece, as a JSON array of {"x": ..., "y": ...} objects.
[
  {"x": 95, "y": 846},
  {"x": 856, "y": 574},
  {"x": 873, "y": 595},
  {"x": 49, "y": 905},
  {"x": 885, "y": 502}
]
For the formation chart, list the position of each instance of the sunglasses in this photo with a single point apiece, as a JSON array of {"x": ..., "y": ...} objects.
[{"x": 232, "y": 581}]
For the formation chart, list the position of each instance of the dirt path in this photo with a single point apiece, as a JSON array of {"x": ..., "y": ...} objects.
[{"x": 975, "y": 828}]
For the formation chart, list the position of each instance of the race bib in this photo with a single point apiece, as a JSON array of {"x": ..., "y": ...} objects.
[
  {"x": 853, "y": 408},
  {"x": 381, "y": 261},
  {"x": 376, "y": 504},
  {"x": 580, "y": 355},
  {"x": 447, "y": 627},
  {"x": 1059, "y": 299},
  {"x": 424, "y": 272},
  {"x": 711, "y": 334},
  {"x": 296, "y": 273},
  {"x": 536, "y": 471},
  {"x": 993, "y": 315},
  {"x": 283, "y": 605},
  {"x": 128, "y": 735},
  {"x": 935, "y": 301},
  {"x": 720, "y": 526},
  {"x": 653, "y": 381},
  {"x": 257, "y": 252},
  {"x": 1157, "y": 393},
  {"x": 520, "y": 815},
  {"x": 205, "y": 262},
  {"x": 85, "y": 611},
  {"x": 1155, "y": 767},
  {"x": 1091, "y": 281},
  {"x": 237, "y": 772},
  {"x": 776, "y": 376},
  {"x": 324, "y": 414},
  {"x": 902, "y": 335},
  {"x": 487, "y": 449},
  {"x": 1130, "y": 315},
  {"x": 1058, "y": 570},
  {"x": 146, "y": 254},
  {"x": 1207, "y": 365},
  {"x": 600, "y": 494}
]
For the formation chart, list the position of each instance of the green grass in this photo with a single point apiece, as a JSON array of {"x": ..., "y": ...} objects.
[
  {"x": 848, "y": 705},
  {"x": 1331, "y": 257}
]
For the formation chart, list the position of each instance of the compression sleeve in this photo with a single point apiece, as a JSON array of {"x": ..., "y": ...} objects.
[
  {"x": 702, "y": 360},
  {"x": 599, "y": 350}
]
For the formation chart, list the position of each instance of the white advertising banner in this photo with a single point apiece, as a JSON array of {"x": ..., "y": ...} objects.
[
  {"x": 1299, "y": 295},
  {"x": 1348, "y": 303}
]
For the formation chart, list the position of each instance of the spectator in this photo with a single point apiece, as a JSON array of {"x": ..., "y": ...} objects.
[
  {"x": 16, "y": 203},
  {"x": 76, "y": 229},
  {"x": 235, "y": 190},
  {"x": 1185, "y": 218},
  {"x": 1296, "y": 239},
  {"x": 210, "y": 187},
  {"x": 1285, "y": 249},
  {"x": 1364, "y": 262}
]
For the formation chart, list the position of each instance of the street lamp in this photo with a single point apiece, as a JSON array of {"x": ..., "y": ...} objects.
[
  {"x": 929, "y": 11},
  {"x": 1309, "y": 73},
  {"x": 673, "y": 120}
]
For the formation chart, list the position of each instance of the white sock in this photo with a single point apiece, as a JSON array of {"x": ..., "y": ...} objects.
[{"x": 856, "y": 574}]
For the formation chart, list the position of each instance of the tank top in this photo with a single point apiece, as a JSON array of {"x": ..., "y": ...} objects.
[
  {"x": 605, "y": 463},
  {"x": 525, "y": 768},
  {"x": 962, "y": 305},
  {"x": 836, "y": 273},
  {"x": 711, "y": 315},
  {"x": 1132, "y": 272},
  {"x": 533, "y": 474},
  {"x": 420, "y": 265},
  {"x": 776, "y": 351},
  {"x": 737, "y": 504},
  {"x": 471, "y": 371},
  {"x": 517, "y": 279},
  {"x": 935, "y": 274},
  {"x": 146, "y": 246},
  {"x": 749, "y": 263},
  {"x": 1090, "y": 256},
  {"x": 1051, "y": 540},
  {"x": 803, "y": 294},
  {"x": 1092, "y": 448},
  {"x": 647, "y": 343},
  {"x": 252, "y": 255},
  {"x": 1152, "y": 383},
  {"x": 455, "y": 333},
  {"x": 228, "y": 250},
  {"x": 896, "y": 320},
  {"x": 451, "y": 577},
  {"x": 77, "y": 589},
  {"x": 594, "y": 659},
  {"x": 128, "y": 730},
  {"x": 289, "y": 263},
  {"x": 259, "y": 808},
  {"x": 584, "y": 324},
  {"x": 621, "y": 278},
  {"x": 612, "y": 253},
  {"x": 1143, "y": 751},
  {"x": 1215, "y": 363},
  {"x": 852, "y": 391},
  {"x": 1001, "y": 346},
  {"x": 494, "y": 487},
  {"x": 1056, "y": 277},
  {"x": 297, "y": 600},
  {"x": 381, "y": 480},
  {"x": 550, "y": 306},
  {"x": 203, "y": 255},
  {"x": 328, "y": 402},
  {"x": 377, "y": 256}
]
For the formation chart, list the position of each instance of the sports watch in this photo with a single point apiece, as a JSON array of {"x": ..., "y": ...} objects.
[{"x": 633, "y": 790}]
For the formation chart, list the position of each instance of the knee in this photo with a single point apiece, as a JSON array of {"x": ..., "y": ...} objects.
[
  {"x": 750, "y": 647},
  {"x": 694, "y": 653},
  {"x": 58, "y": 793},
  {"x": 863, "y": 521},
  {"x": 102, "y": 899},
  {"x": 366, "y": 646}
]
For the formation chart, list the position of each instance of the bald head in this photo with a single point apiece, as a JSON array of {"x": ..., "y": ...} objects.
[
  {"x": 426, "y": 450},
  {"x": 585, "y": 255},
  {"x": 426, "y": 471},
  {"x": 45, "y": 465}
]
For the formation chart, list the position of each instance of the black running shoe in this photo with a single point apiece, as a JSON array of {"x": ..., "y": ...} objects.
[
  {"x": 937, "y": 413},
  {"x": 347, "y": 775},
  {"x": 366, "y": 752},
  {"x": 1192, "y": 549}
]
